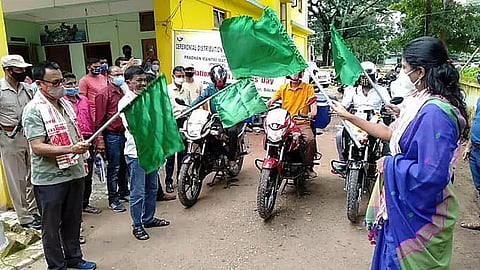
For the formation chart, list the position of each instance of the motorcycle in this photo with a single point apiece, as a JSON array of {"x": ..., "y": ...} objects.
[
  {"x": 284, "y": 158},
  {"x": 360, "y": 169},
  {"x": 206, "y": 153}
]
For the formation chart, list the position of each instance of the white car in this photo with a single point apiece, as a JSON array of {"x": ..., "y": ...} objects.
[{"x": 322, "y": 75}]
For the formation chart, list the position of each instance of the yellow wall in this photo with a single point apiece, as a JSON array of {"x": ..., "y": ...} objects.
[
  {"x": 198, "y": 15},
  {"x": 3, "y": 37}
]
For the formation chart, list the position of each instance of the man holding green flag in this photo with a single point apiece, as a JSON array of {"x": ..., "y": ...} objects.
[{"x": 152, "y": 135}]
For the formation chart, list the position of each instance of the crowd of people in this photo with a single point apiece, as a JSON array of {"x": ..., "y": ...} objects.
[{"x": 49, "y": 163}]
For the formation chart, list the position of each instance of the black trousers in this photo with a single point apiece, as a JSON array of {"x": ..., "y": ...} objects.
[
  {"x": 60, "y": 206},
  {"x": 88, "y": 179},
  {"x": 232, "y": 133}
]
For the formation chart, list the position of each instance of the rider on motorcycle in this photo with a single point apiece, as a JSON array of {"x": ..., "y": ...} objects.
[
  {"x": 294, "y": 96},
  {"x": 360, "y": 97},
  {"x": 218, "y": 75}
]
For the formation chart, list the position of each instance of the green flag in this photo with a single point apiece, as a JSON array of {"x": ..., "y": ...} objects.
[
  {"x": 346, "y": 64},
  {"x": 238, "y": 102},
  {"x": 260, "y": 48},
  {"x": 152, "y": 125}
]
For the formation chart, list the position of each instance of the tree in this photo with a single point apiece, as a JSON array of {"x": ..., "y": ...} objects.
[
  {"x": 365, "y": 23},
  {"x": 456, "y": 24}
]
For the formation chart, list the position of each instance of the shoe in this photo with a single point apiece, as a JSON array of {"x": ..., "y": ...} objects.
[
  {"x": 340, "y": 168},
  {"x": 92, "y": 210},
  {"x": 35, "y": 224},
  {"x": 140, "y": 233},
  {"x": 311, "y": 173},
  {"x": 85, "y": 265},
  {"x": 117, "y": 207},
  {"x": 82, "y": 239},
  {"x": 169, "y": 188},
  {"x": 124, "y": 198},
  {"x": 157, "y": 222},
  {"x": 167, "y": 197}
]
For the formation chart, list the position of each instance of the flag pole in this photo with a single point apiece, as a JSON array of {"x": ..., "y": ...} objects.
[
  {"x": 347, "y": 127},
  {"x": 375, "y": 87}
]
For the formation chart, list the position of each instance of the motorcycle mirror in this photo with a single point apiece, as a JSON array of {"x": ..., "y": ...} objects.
[
  {"x": 180, "y": 101},
  {"x": 396, "y": 100},
  {"x": 311, "y": 100}
]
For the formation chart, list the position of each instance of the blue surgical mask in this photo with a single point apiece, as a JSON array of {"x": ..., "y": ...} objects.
[
  {"x": 104, "y": 67},
  {"x": 118, "y": 80},
  {"x": 155, "y": 67},
  {"x": 96, "y": 71},
  {"x": 71, "y": 91}
]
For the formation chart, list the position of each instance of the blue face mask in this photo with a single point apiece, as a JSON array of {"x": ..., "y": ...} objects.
[
  {"x": 104, "y": 67},
  {"x": 118, "y": 80},
  {"x": 71, "y": 91},
  {"x": 96, "y": 71}
]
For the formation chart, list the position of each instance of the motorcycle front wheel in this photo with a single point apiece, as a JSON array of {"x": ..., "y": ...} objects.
[
  {"x": 189, "y": 181},
  {"x": 267, "y": 193},
  {"x": 353, "y": 181}
]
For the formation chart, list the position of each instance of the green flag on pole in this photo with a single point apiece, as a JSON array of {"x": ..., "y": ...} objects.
[
  {"x": 238, "y": 102},
  {"x": 152, "y": 125},
  {"x": 260, "y": 48},
  {"x": 347, "y": 66}
]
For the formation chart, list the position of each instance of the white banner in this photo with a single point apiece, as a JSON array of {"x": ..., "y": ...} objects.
[{"x": 203, "y": 49}]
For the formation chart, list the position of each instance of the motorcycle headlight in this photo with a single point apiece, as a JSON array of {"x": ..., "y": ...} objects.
[{"x": 275, "y": 135}]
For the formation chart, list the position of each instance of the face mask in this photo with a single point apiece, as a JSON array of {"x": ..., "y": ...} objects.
[
  {"x": 104, "y": 67},
  {"x": 96, "y": 71},
  {"x": 403, "y": 86},
  {"x": 118, "y": 80},
  {"x": 189, "y": 74},
  {"x": 71, "y": 91},
  {"x": 57, "y": 92},
  {"x": 155, "y": 67},
  {"x": 179, "y": 81},
  {"x": 19, "y": 77},
  {"x": 220, "y": 84}
]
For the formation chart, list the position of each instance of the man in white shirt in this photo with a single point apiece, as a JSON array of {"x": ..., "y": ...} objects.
[
  {"x": 143, "y": 187},
  {"x": 194, "y": 87},
  {"x": 360, "y": 98},
  {"x": 176, "y": 90}
]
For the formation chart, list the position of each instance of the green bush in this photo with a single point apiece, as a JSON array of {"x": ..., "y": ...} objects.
[{"x": 470, "y": 74}]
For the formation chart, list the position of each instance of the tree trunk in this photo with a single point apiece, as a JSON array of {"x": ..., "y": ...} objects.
[
  {"x": 443, "y": 34},
  {"x": 326, "y": 49},
  {"x": 428, "y": 16}
]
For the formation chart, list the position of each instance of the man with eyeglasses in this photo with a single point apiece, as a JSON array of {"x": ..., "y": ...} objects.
[
  {"x": 113, "y": 137},
  {"x": 58, "y": 155},
  {"x": 14, "y": 95},
  {"x": 92, "y": 83},
  {"x": 143, "y": 186}
]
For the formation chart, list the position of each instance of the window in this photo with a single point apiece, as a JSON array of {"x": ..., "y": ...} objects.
[
  {"x": 147, "y": 21},
  {"x": 218, "y": 17}
]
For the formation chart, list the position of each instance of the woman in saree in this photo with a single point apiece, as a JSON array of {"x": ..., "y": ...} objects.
[{"x": 413, "y": 208}]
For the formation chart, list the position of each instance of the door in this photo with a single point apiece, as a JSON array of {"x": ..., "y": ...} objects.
[
  {"x": 98, "y": 50},
  {"x": 59, "y": 54},
  {"x": 149, "y": 48}
]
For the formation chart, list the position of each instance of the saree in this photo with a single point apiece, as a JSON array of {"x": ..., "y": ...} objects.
[{"x": 415, "y": 231}]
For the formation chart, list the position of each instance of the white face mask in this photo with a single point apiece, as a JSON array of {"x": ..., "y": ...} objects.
[
  {"x": 403, "y": 86},
  {"x": 179, "y": 81}
]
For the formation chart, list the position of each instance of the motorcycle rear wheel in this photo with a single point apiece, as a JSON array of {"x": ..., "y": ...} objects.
[
  {"x": 267, "y": 193},
  {"x": 353, "y": 181},
  {"x": 189, "y": 182}
]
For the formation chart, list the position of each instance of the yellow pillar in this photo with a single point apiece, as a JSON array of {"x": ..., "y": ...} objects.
[
  {"x": 5, "y": 201},
  {"x": 163, "y": 33}
]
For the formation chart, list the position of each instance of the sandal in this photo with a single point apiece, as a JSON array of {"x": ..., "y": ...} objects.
[
  {"x": 140, "y": 233},
  {"x": 470, "y": 225},
  {"x": 92, "y": 210},
  {"x": 157, "y": 223}
]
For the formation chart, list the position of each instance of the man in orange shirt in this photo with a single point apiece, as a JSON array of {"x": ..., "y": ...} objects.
[
  {"x": 294, "y": 96},
  {"x": 92, "y": 83}
]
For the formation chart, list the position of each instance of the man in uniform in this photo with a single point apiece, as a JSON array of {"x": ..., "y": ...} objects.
[{"x": 14, "y": 95}]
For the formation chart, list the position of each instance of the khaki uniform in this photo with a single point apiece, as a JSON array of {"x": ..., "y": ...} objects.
[{"x": 14, "y": 151}]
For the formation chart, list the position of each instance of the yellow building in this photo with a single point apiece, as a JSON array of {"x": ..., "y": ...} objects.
[{"x": 208, "y": 15}]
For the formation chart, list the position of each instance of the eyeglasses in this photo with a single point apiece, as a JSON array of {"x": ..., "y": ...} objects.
[{"x": 55, "y": 83}]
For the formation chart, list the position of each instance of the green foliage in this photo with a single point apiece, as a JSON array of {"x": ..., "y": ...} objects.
[
  {"x": 453, "y": 22},
  {"x": 470, "y": 74}
]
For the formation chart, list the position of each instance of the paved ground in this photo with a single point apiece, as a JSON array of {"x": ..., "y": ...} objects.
[{"x": 224, "y": 231}]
